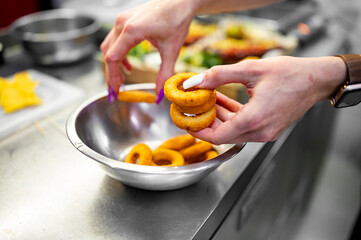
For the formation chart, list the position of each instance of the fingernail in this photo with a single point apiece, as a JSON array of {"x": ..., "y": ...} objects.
[
  {"x": 160, "y": 96},
  {"x": 110, "y": 99},
  {"x": 114, "y": 94},
  {"x": 193, "y": 81}
]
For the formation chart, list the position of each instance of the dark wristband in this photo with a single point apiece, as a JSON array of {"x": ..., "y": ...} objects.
[
  {"x": 353, "y": 65},
  {"x": 349, "y": 93}
]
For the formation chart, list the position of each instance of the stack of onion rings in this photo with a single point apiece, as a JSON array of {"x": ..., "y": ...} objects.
[
  {"x": 177, "y": 151},
  {"x": 137, "y": 96},
  {"x": 191, "y": 109}
]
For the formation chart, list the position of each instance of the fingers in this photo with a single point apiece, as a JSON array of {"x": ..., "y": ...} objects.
[
  {"x": 224, "y": 114},
  {"x": 126, "y": 64},
  {"x": 235, "y": 123},
  {"x": 106, "y": 42},
  {"x": 166, "y": 70},
  {"x": 227, "y": 102},
  {"x": 241, "y": 72},
  {"x": 114, "y": 76},
  {"x": 116, "y": 49},
  {"x": 214, "y": 133}
]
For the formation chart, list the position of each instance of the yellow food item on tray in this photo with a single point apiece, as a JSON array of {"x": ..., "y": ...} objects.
[{"x": 18, "y": 93}]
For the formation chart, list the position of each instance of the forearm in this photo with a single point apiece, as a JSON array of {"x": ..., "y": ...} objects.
[{"x": 216, "y": 6}]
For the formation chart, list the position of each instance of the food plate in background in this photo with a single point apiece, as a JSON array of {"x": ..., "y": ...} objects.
[{"x": 55, "y": 95}]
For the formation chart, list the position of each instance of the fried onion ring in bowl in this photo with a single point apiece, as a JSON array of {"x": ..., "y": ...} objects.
[
  {"x": 196, "y": 150},
  {"x": 203, "y": 157},
  {"x": 137, "y": 96},
  {"x": 192, "y": 123},
  {"x": 179, "y": 142},
  {"x": 174, "y": 92},
  {"x": 142, "y": 152},
  {"x": 167, "y": 158},
  {"x": 211, "y": 154}
]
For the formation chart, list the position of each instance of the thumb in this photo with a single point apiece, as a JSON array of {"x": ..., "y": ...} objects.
[{"x": 224, "y": 74}]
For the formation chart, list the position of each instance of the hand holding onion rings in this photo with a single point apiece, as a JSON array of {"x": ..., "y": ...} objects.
[
  {"x": 191, "y": 109},
  {"x": 137, "y": 96}
]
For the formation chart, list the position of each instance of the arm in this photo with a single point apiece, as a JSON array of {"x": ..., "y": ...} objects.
[{"x": 216, "y": 6}]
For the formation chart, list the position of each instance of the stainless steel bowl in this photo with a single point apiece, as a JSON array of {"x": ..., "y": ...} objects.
[
  {"x": 105, "y": 132},
  {"x": 56, "y": 36}
]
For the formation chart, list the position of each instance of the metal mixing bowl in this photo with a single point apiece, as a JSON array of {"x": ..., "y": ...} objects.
[
  {"x": 56, "y": 36},
  {"x": 105, "y": 132}
]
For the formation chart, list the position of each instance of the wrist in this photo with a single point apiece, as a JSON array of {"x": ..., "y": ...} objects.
[{"x": 332, "y": 75}]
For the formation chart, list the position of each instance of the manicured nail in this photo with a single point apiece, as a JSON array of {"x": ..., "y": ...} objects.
[
  {"x": 110, "y": 99},
  {"x": 160, "y": 96},
  {"x": 193, "y": 81},
  {"x": 114, "y": 94}
]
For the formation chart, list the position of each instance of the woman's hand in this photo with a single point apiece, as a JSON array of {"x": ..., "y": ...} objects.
[
  {"x": 281, "y": 89},
  {"x": 163, "y": 23}
]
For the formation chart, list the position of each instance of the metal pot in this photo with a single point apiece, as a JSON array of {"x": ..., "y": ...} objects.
[{"x": 56, "y": 36}]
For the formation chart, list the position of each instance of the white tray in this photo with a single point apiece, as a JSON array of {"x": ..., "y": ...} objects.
[{"x": 55, "y": 95}]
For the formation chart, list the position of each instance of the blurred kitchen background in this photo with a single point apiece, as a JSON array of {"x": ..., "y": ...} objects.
[{"x": 335, "y": 28}]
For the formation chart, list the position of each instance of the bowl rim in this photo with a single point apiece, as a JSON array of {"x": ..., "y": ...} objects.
[
  {"x": 64, "y": 13},
  {"x": 119, "y": 165}
]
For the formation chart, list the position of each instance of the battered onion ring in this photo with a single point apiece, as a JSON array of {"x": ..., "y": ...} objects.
[
  {"x": 196, "y": 150},
  {"x": 142, "y": 152},
  {"x": 203, "y": 157},
  {"x": 192, "y": 123},
  {"x": 175, "y": 93},
  {"x": 211, "y": 154},
  {"x": 137, "y": 96},
  {"x": 179, "y": 142},
  {"x": 167, "y": 158},
  {"x": 205, "y": 107}
]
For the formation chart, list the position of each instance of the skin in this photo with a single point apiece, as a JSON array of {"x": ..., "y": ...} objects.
[
  {"x": 165, "y": 24},
  {"x": 281, "y": 89}
]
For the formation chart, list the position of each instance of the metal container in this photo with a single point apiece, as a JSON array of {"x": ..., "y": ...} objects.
[
  {"x": 56, "y": 36},
  {"x": 105, "y": 132}
]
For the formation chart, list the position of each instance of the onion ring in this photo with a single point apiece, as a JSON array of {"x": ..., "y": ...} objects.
[
  {"x": 211, "y": 154},
  {"x": 196, "y": 149},
  {"x": 205, "y": 107},
  {"x": 137, "y": 96},
  {"x": 142, "y": 152},
  {"x": 192, "y": 123},
  {"x": 179, "y": 142},
  {"x": 166, "y": 158},
  {"x": 203, "y": 157},
  {"x": 173, "y": 90}
]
